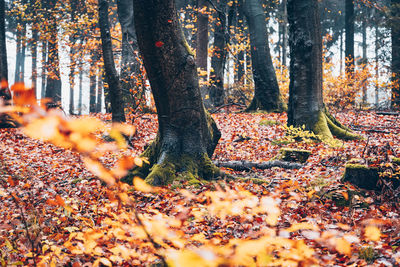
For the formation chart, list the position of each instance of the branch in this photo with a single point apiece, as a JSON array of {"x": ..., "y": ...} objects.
[{"x": 244, "y": 165}]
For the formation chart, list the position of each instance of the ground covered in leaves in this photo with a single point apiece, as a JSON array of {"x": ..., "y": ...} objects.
[{"x": 55, "y": 212}]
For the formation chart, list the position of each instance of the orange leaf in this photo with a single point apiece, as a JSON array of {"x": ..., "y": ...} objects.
[{"x": 372, "y": 233}]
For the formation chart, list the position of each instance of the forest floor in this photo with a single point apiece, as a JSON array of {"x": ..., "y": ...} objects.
[{"x": 48, "y": 199}]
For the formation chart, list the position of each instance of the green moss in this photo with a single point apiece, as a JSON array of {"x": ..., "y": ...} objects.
[
  {"x": 361, "y": 175},
  {"x": 341, "y": 133},
  {"x": 161, "y": 174},
  {"x": 321, "y": 128},
  {"x": 269, "y": 122},
  {"x": 396, "y": 161},
  {"x": 294, "y": 155}
]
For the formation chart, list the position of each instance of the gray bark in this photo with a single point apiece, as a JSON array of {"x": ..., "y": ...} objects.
[{"x": 266, "y": 94}]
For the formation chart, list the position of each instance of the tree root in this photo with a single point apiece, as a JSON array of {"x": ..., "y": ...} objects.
[
  {"x": 327, "y": 127},
  {"x": 245, "y": 165}
]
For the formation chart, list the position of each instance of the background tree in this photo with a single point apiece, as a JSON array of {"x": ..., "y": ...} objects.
[
  {"x": 112, "y": 78},
  {"x": 3, "y": 48},
  {"x": 395, "y": 27},
  {"x": 53, "y": 83},
  {"x": 218, "y": 60},
  {"x": 306, "y": 106},
  {"x": 349, "y": 42},
  {"x": 266, "y": 93},
  {"x": 187, "y": 135}
]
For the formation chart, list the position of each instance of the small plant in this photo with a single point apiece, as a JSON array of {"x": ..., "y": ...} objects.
[{"x": 368, "y": 254}]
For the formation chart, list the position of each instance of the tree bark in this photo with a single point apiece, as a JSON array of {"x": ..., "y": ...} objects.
[
  {"x": 129, "y": 63},
  {"x": 187, "y": 135},
  {"x": 266, "y": 93},
  {"x": 240, "y": 60},
  {"x": 35, "y": 39},
  {"x": 92, "y": 82},
  {"x": 99, "y": 90},
  {"x": 349, "y": 42},
  {"x": 306, "y": 105},
  {"x": 4, "y": 91},
  {"x": 395, "y": 17},
  {"x": 44, "y": 69},
  {"x": 3, "y": 47},
  {"x": 53, "y": 84},
  {"x": 202, "y": 35},
  {"x": 364, "y": 57},
  {"x": 114, "y": 86},
  {"x": 217, "y": 93}
]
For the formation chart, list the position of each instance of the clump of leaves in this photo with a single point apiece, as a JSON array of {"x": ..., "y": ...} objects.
[{"x": 297, "y": 134}]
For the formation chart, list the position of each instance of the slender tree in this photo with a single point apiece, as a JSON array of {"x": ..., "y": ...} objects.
[
  {"x": 217, "y": 94},
  {"x": 306, "y": 106},
  {"x": 53, "y": 84},
  {"x": 349, "y": 41},
  {"x": 395, "y": 27},
  {"x": 3, "y": 48},
  {"x": 187, "y": 135},
  {"x": 266, "y": 94},
  {"x": 112, "y": 78}
]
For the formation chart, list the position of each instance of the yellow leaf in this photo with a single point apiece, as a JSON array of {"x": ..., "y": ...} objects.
[
  {"x": 138, "y": 162},
  {"x": 103, "y": 261},
  {"x": 343, "y": 246},
  {"x": 45, "y": 129},
  {"x": 98, "y": 169},
  {"x": 141, "y": 185},
  {"x": 372, "y": 233},
  {"x": 86, "y": 125},
  {"x": 302, "y": 226}
]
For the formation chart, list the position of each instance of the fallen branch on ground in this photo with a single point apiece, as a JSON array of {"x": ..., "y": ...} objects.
[{"x": 245, "y": 165}]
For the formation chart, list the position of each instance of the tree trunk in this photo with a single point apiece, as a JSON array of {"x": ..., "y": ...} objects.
[
  {"x": 44, "y": 69},
  {"x": 53, "y": 84},
  {"x": 129, "y": 62},
  {"x": 17, "y": 73},
  {"x": 34, "y": 55},
  {"x": 92, "y": 84},
  {"x": 4, "y": 91},
  {"x": 217, "y": 94},
  {"x": 364, "y": 58},
  {"x": 202, "y": 35},
  {"x": 3, "y": 47},
  {"x": 80, "y": 86},
  {"x": 377, "y": 65},
  {"x": 266, "y": 93},
  {"x": 240, "y": 60},
  {"x": 284, "y": 32},
  {"x": 114, "y": 86},
  {"x": 306, "y": 105},
  {"x": 72, "y": 68},
  {"x": 395, "y": 12},
  {"x": 349, "y": 42},
  {"x": 99, "y": 90},
  {"x": 187, "y": 135}
]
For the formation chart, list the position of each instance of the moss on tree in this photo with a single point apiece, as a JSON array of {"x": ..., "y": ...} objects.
[{"x": 294, "y": 155}]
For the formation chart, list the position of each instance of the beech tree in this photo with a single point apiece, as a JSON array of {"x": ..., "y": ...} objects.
[
  {"x": 395, "y": 19},
  {"x": 349, "y": 42},
  {"x": 187, "y": 135},
  {"x": 306, "y": 106},
  {"x": 112, "y": 78},
  {"x": 3, "y": 49},
  {"x": 266, "y": 93}
]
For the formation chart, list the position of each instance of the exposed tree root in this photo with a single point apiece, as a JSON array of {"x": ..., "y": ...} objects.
[
  {"x": 257, "y": 105},
  {"x": 327, "y": 127}
]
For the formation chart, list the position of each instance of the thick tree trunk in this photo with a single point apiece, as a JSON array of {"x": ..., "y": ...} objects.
[
  {"x": 284, "y": 32},
  {"x": 266, "y": 94},
  {"x": 114, "y": 86},
  {"x": 306, "y": 105},
  {"x": 349, "y": 42},
  {"x": 187, "y": 135},
  {"x": 53, "y": 84},
  {"x": 129, "y": 62},
  {"x": 395, "y": 12},
  {"x": 217, "y": 93}
]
